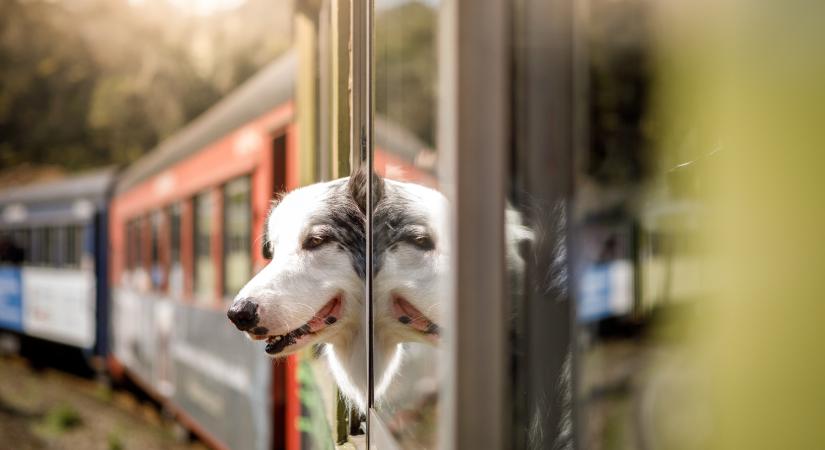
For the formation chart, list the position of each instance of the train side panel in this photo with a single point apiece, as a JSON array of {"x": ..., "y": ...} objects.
[{"x": 170, "y": 336}]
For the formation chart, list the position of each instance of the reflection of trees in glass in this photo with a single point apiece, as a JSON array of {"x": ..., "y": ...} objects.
[{"x": 405, "y": 67}]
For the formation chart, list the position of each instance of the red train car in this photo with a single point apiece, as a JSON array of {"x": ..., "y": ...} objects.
[{"x": 184, "y": 225}]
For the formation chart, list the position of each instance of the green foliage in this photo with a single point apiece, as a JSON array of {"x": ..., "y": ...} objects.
[
  {"x": 103, "y": 81},
  {"x": 60, "y": 419},
  {"x": 114, "y": 441},
  {"x": 314, "y": 424},
  {"x": 103, "y": 393}
]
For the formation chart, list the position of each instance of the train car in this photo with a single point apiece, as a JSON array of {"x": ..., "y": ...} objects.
[
  {"x": 184, "y": 226},
  {"x": 54, "y": 274}
]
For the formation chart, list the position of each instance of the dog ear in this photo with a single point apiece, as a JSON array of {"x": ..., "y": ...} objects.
[
  {"x": 266, "y": 248},
  {"x": 357, "y": 187}
]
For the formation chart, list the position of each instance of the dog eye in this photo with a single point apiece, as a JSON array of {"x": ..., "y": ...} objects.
[
  {"x": 313, "y": 242},
  {"x": 423, "y": 242}
]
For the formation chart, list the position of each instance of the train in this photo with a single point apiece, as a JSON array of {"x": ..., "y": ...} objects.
[{"x": 54, "y": 255}]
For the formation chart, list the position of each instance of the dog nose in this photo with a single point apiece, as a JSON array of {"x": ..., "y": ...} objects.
[{"x": 244, "y": 314}]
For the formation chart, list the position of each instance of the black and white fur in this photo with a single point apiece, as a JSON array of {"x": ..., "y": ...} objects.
[{"x": 312, "y": 290}]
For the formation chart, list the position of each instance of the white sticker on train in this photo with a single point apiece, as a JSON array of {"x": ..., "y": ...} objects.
[{"x": 59, "y": 305}]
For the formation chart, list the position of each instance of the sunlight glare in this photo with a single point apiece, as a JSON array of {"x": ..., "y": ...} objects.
[{"x": 202, "y": 7}]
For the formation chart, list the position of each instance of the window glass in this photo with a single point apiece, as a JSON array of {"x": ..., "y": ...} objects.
[
  {"x": 51, "y": 249},
  {"x": 36, "y": 244},
  {"x": 130, "y": 244},
  {"x": 134, "y": 246},
  {"x": 204, "y": 264},
  {"x": 236, "y": 238},
  {"x": 157, "y": 270},
  {"x": 12, "y": 247},
  {"x": 137, "y": 241},
  {"x": 73, "y": 245},
  {"x": 22, "y": 239},
  {"x": 410, "y": 248},
  {"x": 175, "y": 266}
]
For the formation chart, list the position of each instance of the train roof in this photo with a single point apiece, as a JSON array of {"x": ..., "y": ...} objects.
[
  {"x": 270, "y": 87},
  {"x": 69, "y": 199},
  {"x": 90, "y": 185}
]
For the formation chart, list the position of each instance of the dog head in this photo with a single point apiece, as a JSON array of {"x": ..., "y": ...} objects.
[
  {"x": 312, "y": 288},
  {"x": 411, "y": 261}
]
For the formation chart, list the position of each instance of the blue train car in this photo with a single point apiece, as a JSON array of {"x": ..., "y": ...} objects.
[{"x": 54, "y": 262}]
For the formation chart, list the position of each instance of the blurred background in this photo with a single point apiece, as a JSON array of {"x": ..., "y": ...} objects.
[{"x": 141, "y": 143}]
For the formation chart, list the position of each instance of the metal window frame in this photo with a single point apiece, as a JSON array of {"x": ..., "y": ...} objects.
[
  {"x": 361, "y": 155},
  {"x": 473, "y": 60}
]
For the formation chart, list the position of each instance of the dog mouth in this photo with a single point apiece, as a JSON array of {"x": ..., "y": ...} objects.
[
  {"x": 407, "y": 314},
  {"x": 327, "y": 316}
]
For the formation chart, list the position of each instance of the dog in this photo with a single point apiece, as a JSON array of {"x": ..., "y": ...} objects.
[
  {"x": 312, "y": 290},
  {"x": 412, "y": 260}
]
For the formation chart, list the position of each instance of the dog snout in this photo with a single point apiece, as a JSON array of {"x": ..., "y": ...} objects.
[{"x": 244, "y": 314}]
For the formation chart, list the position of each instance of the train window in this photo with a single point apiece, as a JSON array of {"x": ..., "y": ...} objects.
[
  {"x": 73, "y": 244},
  {"x": 69, "y": 247},
  {"x": 137, "y": 243},
  {"x": 127, "y": 239},
  {"x": 51, "y": 252},
  {"x": 134, "y": 244},
  {"x": 11, "y": 250},
  {"x": 44, "y": 249},
  {"x": 129, "y": 235},
  {"x": 237, "y": 216},
  {"x": 34, "y": 252},
  {"x": 157, "y": 272},
  {"x": 37, "y": 246},
  {"x": 173, "y": 215},
  {"x": 204, "y": 265},
  {"x": 6, "y": 245},
  {"x": 22, "y": 239}
]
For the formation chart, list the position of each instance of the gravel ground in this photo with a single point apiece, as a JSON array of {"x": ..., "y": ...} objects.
[{"x": 51, "y": 409}]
